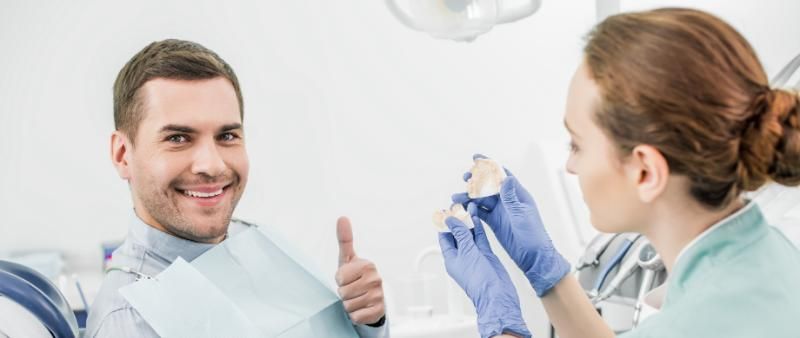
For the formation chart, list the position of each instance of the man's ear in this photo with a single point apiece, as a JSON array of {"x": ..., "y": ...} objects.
[
  {"x": 120, "y": 147},
  {"x": 648, "y": 170}
]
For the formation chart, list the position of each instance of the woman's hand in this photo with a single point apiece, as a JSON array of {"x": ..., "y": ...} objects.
[
  {"x": 516, "y": 223},
  {"x": 472, "y": 264},
  {"x": 515, "y": 220}
]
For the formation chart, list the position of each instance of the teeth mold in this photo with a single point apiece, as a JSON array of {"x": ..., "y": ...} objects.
[
  {"x": 487, "y": 176},
  {"x": 457, "y": 211}
]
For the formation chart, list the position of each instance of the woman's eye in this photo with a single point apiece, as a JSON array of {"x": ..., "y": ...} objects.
[
  {"x": 573, "y": 148},
  {"x": 177, "y": 138}
]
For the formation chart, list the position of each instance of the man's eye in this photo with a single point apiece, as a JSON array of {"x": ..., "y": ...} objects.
[
  {"x": 227, "y": 137},
  {"x": 177, "y": 139}
]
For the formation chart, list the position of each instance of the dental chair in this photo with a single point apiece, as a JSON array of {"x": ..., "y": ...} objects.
[{"x": 31, "y": 306}]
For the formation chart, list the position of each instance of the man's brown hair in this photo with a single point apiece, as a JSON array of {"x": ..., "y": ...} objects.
[
  {"x": 689, "y": 84},
  {"x": 169, "y": 59}
]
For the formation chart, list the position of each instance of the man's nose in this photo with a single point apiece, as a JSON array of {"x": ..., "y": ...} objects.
[{"x": 208, "y": 161}]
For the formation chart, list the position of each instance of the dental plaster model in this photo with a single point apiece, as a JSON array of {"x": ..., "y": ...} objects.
[
  {"x": 487, "y": 176},
  {"x": 457, "y": 211}
]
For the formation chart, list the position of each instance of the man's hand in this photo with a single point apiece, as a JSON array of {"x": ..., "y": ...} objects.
[{"x": 360, "y": 285}]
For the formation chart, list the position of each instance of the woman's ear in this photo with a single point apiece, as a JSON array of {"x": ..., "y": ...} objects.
[
  {"x": 648, "y": 170},
  {"x": 120, "y": 145}
]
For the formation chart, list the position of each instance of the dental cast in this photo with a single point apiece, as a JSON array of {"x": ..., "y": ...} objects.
[
  {"x": 487, "y": 176},
  {"x": 457, "y": 211}
]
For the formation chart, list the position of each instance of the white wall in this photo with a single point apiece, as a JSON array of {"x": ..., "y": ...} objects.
[{"x": 346, "y": 112}]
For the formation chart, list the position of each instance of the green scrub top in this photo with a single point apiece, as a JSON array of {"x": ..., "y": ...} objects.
[{"x": 740, "y": 279}]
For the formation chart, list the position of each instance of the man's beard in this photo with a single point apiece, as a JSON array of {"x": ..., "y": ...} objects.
[{"x": 163, "y": 207}]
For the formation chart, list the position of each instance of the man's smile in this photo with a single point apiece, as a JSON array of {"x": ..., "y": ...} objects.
[{"x": 205, "y": 196}]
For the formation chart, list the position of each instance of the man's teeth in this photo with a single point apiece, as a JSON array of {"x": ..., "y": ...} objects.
[{"x": 202, "y": 194}]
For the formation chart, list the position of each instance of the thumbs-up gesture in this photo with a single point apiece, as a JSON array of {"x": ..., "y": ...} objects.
[{"x": 360, "y": 285}]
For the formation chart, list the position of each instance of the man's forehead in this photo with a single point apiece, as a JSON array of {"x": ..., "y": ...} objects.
[{"x": 199, "y": 104}]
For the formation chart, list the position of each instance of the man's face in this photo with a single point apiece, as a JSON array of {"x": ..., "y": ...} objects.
[{"x": 188, "y": 167}]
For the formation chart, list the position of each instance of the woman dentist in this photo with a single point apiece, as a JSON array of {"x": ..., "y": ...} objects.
[{"x": 671, "y": 119}]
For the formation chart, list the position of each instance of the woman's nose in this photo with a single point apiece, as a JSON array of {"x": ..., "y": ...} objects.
[{"x": 569, "y": 166}]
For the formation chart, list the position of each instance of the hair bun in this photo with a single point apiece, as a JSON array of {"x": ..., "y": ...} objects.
[{"x": 770, "y": 144}]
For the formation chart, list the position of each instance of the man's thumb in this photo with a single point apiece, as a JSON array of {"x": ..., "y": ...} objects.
[{"x": 344, "y": 232}]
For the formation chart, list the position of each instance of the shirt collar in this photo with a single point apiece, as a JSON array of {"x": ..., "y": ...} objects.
[{"x": 163, "y": 244}]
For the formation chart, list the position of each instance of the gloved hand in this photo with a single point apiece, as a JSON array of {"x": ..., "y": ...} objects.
[
  {"x": 516, "y": 223},
  {"x": 472, "y": 264}
]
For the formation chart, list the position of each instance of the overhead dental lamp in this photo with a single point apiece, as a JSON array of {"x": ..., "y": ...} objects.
[
  {"x": 464, "y": 20},
  {"x": 459, "y": 20}
]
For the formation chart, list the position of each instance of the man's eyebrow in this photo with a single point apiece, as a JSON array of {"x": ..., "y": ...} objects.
[
  {"x": 178, "y": 128},
  {"x": 229, "y": 127}
]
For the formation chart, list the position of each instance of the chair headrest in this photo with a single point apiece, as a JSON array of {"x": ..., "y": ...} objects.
[
  {"x": 38, "y": 295},
  {"x": 17, "y": 321}
]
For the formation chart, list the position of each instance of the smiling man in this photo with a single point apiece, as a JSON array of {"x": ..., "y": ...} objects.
[{"x": 179, "y": 142}]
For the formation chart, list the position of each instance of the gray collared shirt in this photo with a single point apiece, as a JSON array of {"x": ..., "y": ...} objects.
[{"x": 149, "y": 251}]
